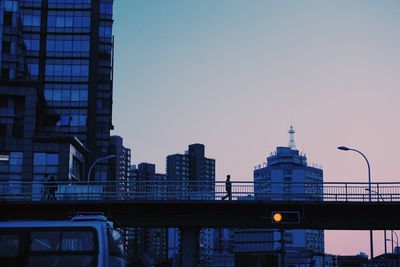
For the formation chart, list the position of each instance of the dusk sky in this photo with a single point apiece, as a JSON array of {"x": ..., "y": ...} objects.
[{"x": 234, "y": 75}]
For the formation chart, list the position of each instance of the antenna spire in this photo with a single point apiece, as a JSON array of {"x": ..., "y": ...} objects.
[{"x": 291, "y": 132}]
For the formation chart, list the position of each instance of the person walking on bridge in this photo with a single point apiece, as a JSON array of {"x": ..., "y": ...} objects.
[
  {"x": 50, "y": 187},
  {"x": 228, "y": 188}
]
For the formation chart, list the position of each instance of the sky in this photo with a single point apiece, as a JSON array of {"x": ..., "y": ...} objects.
[{"x": 235, "y": 74}]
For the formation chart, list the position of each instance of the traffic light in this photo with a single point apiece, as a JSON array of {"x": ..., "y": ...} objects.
[{"x": 285, "y": 217}]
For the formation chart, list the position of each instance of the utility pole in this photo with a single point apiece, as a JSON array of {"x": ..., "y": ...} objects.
[{"x": 283, "y": 263}]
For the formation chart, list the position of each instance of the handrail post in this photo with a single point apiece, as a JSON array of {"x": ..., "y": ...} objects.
[
  {"x": 346, "y": 191},
  {"x": 377, "y": 190}
]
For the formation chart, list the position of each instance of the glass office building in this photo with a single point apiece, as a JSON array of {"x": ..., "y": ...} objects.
[
  {"x": 69, "y": 50},
  {"x": 55, "y": 88}
]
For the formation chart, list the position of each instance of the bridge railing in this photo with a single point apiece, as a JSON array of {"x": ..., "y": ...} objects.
[{"x": 198, "y": 191}]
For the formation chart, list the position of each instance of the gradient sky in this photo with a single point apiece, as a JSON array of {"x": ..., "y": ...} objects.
[{"x": 234, "y": 74}]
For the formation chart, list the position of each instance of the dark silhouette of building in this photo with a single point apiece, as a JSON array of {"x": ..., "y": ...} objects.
[
  {"x": 121, "y": 164},
  {"x": 55, "y": 89},
  {"x": 148, "y": 245},
  {"x": 285, "y": 175},
  {"x": 187, "y": 169}
]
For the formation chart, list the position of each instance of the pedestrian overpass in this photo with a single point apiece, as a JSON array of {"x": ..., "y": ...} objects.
[
  {"x": 346, "y": 206},
  {"x": 192, "y": 205}
]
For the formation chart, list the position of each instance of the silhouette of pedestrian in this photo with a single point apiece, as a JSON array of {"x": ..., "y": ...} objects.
[
  {"x": 228, "y": 188},
  {"x": 50, "y": 187}
]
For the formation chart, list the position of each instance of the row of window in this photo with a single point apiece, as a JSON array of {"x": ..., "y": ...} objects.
[
  {"x": 72, "y": 120},
  {"x": 45, "y": 163},
  {"x": 11, "y": 158},
  {"x": 68, "y": 19},
  {"x": 69, "y": 1},
  {"x": 67, "y": 86},
  {"x": 66, "y": 92},
  {"x": 32, "y": 44},
  {"x": 66, "y": 95},
  {"x": 67, "y": 70},
  {"x": 68, "y": 45},
  {"x": 11, "y": 6},
  {"x": 41, "y": 159},
  {"x": 31, "y": 20}
]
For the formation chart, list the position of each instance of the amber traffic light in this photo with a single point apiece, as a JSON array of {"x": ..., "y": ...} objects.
[{"x": 285, "y": 217}]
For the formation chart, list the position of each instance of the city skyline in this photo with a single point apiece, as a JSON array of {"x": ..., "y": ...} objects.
[
  {"x": 234, "y": 76},
  {"x": 89, "y": 87}
]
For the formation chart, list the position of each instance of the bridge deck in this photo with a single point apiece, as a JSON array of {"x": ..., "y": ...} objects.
[
  {"x": 348, "y": 206},
  {"x": 235, "y": 214}
]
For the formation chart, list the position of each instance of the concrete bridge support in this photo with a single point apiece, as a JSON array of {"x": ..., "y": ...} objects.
[{"x": 190, "y": 246}]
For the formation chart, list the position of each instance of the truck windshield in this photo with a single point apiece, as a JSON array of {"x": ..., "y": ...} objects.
[
  {"x": 55, "y": 247},
  {"x": 62, "y": 248}
]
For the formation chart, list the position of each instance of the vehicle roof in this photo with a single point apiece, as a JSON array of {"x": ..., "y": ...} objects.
[{"x": 61, "y": 223}]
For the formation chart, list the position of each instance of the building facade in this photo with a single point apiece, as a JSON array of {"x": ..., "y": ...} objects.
[
  {"x": 287, "y": 176},
  {"x": 148, "y": 245},
  {"x": 120, "y": 165},
  {"x": 55, "y": 89},
  {"x": 191, "y": 172}
]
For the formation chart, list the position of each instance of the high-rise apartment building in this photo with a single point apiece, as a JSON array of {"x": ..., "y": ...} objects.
[
  {"x": 185, "y": 170},
  {"x": 148, "y": 245},
  {"x": 286, "y": 175},
  {"x": 120, "y": 165},
  {"x": 55, "y": 88}
]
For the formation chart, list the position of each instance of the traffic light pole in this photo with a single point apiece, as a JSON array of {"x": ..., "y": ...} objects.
[{"x": 283, "y": 263}]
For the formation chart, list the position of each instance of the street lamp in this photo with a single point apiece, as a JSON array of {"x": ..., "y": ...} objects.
[
  {"x": 384, "y": 231},
  {"x": 397, "y": 240},
  {"x": 344, "y": 148},
  {"x": 95, "y": 162}
]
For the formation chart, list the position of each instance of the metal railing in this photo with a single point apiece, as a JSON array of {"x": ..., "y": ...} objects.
[{"x": 198, "y": 191}]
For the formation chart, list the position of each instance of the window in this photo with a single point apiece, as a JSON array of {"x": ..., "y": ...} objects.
[
  {"x": 3, "y": 101},
  {"x": 106, "y": 8},
  {"x": 8, "y": 18},
  {"x": 5, "y": 73},
  {"x": 16, "y": 158},
  {"x": 52, "y": 159},
  {"x": 67, "y": 70},
  {"x": 32, "y": 44},
  {"x": 69, "y": 3},
  {"x": 115, "y": 243},
  {"x": 39, "y": 159},
  {"x": 11, "y": 5},
  {"x": 46, "y": 163},
  {"x": 105, "y": 31},
  {"x": 62, "y": 248},
  {"x": 62, "y": 241},
  {"x": 68, "y": 21},
  {"x": 7, "y": 46},
  {"x": 77, "y": 168},
  {"x": 31, "y": 20},
  {"x": 72, "y": 120},
  {"x": 68, "y": 43},
  {"x": 33, "y": 69},
  {"x": 3, "y": 130},
  {"x": 66, "y": 92},
  {"x": 9, "y": 245}
]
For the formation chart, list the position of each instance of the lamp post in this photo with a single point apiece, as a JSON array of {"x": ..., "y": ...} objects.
[
  {"x": 397, "y": 245},
  {"x": 344, "y": 148},
  {"x": 397, "y": 240},
  {"x": 384, "y": 231},
  {"x": 95, "y": 162}
]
